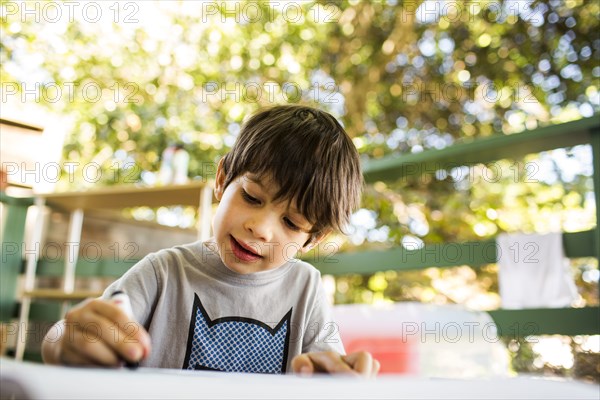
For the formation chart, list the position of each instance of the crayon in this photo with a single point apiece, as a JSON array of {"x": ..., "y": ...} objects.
[{"x": 122, "y": 300}]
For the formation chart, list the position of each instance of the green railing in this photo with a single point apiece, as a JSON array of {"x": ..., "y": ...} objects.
[
  {"x": 567, "y": 321},
  {"x": 474, "y": 254}
]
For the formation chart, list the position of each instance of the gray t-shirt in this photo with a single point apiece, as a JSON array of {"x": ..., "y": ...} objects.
[{"x": 202, "y": 315}]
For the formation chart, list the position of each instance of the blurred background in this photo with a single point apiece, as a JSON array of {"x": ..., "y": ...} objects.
[{"x": 126, "y": 80}]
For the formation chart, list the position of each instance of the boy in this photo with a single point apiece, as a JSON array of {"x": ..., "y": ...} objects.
[{"x": 240, "y": 301}]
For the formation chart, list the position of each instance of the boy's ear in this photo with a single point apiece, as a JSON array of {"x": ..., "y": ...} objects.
[
  {"x": 315, "y": 242},
  {"x": 220, "y": 180}
]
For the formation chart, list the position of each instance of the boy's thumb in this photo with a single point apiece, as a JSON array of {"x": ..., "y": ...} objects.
[{"x": 302, "y": 364}]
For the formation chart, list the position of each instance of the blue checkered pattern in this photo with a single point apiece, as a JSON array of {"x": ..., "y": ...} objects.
[{"x": 236, "y": 346}]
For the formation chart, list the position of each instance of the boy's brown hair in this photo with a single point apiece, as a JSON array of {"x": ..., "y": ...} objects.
[{"x": 309, "y": 155}]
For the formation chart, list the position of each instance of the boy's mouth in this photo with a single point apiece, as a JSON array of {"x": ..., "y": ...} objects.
[{"x": 242, "y": 251}]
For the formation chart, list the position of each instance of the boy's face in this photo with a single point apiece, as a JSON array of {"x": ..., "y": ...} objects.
[{"x": 252, "y": 232}]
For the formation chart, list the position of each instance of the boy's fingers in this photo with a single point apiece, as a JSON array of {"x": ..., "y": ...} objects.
[
  {"x": 138, "y": 334},
  {"x": 376, "y": 367},
  {"x": 102, "y": 332},
  {"x": 329, "y": 361},
  {"x": 301, "y": 364},
  {"x": 129, "y": 332},
  {"x": 84, "y": 349},
  {"x": 99, "y": 354},
  {"x": 69, "y": 357},
  {"x": 361, "y": 362},
  {"x": 127, "y": 341}
]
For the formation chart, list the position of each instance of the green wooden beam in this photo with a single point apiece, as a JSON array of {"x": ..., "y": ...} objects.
[
  {"x": 581, "y": 244},
  {"x": 45, "y": 310},
  {"x": 401, "y": 259},
  {"x": 482, "y": 150},
  {"x": 12, "y": 249},
  {"x": 578, "y": 244},
  {"x": 17, "y": 201},
  {"x": 106, "y": 267},
  {"x": 547, "y": 321}
]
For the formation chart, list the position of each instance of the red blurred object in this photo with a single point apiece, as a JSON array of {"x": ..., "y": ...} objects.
[{"x": 395, "y": 354}]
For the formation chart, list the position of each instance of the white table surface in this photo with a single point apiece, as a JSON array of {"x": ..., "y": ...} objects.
[{"x": 50, "y": 382}]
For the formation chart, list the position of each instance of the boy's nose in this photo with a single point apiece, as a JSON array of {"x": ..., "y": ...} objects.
[{"x": 260, "y": 228}]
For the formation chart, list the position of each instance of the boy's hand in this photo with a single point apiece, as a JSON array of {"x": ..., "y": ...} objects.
[
  {"x": 359, "y": 363},
  {"x": 98, "y": 332}
]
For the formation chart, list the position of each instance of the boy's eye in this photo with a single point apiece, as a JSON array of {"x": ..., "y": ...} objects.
[
  {"x": 249, "y": 198},
  {"x": 290, "y": 224}
]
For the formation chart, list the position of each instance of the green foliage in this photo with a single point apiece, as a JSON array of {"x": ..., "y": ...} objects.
[
  {"x": 522, "y": 354},
  {"x": 400, "y": 81},
  {"x": 526, "y": 360}
]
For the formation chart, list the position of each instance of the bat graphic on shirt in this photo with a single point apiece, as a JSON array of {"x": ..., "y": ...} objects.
[{"x": 236, "y": 344}]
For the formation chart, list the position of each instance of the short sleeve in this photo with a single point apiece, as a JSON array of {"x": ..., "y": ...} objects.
[
  {"x": 322, "y": 332},
  {"x": 141, "y": 284}
]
